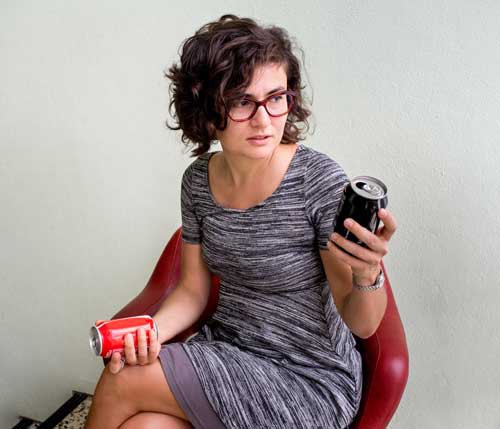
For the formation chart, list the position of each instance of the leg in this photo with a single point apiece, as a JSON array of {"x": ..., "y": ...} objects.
[
  {"x": 134, "y": 389},
  {"x": 155, "y": 421}
]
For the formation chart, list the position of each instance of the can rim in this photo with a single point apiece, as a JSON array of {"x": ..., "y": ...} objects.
[
  {"x": 93, "y": 332},
  {"x": 372, "y": 180}
]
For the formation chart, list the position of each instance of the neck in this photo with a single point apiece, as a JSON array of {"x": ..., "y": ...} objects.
[{"x": 241, "y": 171}]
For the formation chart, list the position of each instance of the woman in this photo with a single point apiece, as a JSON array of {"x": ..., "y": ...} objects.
[{"x": 279, "y": 352}]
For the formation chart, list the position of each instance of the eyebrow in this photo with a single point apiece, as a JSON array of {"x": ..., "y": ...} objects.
[{"x": 280, "y": 88}]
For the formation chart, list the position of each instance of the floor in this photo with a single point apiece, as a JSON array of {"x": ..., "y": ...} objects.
[{"x": 67, "y": 417}]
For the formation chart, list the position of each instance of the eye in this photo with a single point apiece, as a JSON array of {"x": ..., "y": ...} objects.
[
  {"x": 243, "y": 102},
  {"x": 277, "y": 98}
]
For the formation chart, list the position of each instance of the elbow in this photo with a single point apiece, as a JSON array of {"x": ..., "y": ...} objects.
[
  {"x": 363, "y": 330},
  {"x": 366, "y": 332}
]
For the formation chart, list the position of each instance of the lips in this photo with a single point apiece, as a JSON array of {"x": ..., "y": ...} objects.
[{"x": 258, "y": 138}]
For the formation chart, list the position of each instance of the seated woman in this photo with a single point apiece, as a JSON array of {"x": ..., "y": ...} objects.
[{"x": 279, "y": 351}]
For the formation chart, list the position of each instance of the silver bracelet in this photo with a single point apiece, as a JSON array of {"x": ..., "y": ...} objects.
[{"x": 379, "y": 282}]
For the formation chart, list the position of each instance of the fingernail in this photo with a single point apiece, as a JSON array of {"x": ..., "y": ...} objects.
[
  {"x": 383, "y": 212},
  {"x": 348, "y": 223}
]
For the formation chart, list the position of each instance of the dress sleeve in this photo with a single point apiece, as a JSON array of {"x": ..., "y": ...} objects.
[
  {"x": 190, "y": 224},
  {"x": 324, "y": 182}
]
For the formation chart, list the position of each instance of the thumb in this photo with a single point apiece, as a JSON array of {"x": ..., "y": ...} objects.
[{"x": 115, "y": 365}]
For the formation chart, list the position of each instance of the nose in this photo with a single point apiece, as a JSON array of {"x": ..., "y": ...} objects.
[{"x": 261, "y": 117}]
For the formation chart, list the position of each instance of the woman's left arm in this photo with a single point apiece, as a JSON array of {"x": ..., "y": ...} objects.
[{"x": 361, "y": 310}]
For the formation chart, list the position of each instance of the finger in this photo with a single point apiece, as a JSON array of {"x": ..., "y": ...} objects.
[
  {"x": 142, "y": 347},
  {"x": 130, "y": 354},
  {"x": 115, "y": 364},
  {"x": 390, "y": 225},
  {"x": 374, "y": 242},
  {"x": 366, "y": 255},
  {"x": 354, "y": 263},
  {"x": 154, "y": 346}
]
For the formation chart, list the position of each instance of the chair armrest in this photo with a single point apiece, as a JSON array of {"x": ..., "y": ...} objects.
[{"x": 385, "y": 368}]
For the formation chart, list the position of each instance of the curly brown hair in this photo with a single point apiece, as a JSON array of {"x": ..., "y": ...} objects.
[{"x": 217, "y": 64}]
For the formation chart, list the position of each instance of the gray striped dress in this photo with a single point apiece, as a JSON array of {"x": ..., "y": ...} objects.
[{"x": 276, "y": 353}]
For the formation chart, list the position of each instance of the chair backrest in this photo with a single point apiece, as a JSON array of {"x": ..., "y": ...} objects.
[{"x": 384, "y": 354}]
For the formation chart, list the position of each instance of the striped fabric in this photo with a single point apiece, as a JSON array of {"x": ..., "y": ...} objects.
[{"x": 276, "y": 353}]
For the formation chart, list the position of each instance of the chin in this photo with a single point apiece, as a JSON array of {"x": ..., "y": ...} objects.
[
  {"x": 261, "y": 150},
  {"x": 246, "y": 149}
]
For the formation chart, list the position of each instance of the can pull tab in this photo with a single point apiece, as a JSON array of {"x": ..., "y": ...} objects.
[{"x": 98, "y": 322}]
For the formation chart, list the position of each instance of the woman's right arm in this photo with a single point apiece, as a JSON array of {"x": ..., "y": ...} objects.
[
  {"x": 182, "y": 308},
  {"x": 179, "y": 311}
]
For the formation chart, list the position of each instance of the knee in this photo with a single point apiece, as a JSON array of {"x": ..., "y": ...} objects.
[
  {"x": 112, "y": 387},
  {"x": 147, "y": 420}
]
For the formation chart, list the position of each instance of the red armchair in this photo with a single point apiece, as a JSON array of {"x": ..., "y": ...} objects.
[{"x": 385, "y": 354}]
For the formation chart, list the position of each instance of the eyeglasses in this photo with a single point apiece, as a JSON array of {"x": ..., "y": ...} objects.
[{"x": 243, "y": 109}]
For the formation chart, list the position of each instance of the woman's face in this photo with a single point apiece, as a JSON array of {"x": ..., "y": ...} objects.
[{"x": 237, "y": 139}]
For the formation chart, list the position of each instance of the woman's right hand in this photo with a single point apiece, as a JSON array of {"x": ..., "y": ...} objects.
[{"x": 143, "y": 356}]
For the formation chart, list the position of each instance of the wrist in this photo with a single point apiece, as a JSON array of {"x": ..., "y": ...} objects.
[
  {"x": 369, "y": 284},
  {"x": 366, "y": 279}
]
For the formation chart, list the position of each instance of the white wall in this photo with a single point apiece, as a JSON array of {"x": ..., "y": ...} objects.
[{"x": 89, "y": 177}]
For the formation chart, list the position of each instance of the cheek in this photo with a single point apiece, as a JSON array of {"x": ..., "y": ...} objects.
[
  {"x": 281, "y": 125},
  {"x": 233, "y": 132}
]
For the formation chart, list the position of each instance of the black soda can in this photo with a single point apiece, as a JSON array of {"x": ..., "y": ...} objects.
[{"x": 363, "y": 196}]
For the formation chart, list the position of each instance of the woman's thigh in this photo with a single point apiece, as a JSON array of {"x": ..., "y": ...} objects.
[
  {"x": 142, "y": 388},
  {"x": 149, "y": 420}
]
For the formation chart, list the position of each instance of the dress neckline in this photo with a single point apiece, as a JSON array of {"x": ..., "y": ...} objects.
[{"x": 260, "y": 204}]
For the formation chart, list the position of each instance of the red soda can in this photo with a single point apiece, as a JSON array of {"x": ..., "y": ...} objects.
[{"x": 108, "y": 336}]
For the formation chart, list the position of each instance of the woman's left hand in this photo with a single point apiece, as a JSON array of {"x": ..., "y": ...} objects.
[{"x": 365, "y": 263}]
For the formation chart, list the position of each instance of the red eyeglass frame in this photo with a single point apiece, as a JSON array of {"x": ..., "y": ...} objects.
[{"x": 263, "y": 102}]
